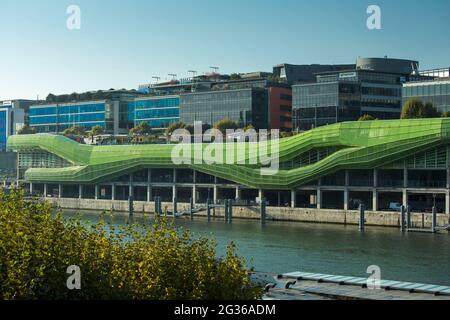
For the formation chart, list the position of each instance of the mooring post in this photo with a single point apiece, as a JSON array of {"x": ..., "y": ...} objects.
[
  {"x": 174, "y": 206},
  {"x": 157, "y": 209},
  {"x": 402, "y": 218},
  {"x": 434, "y": 220},
  {"x": 208, "y": 208},
  {"x": 263, "y": 211},
  {"x": 362, "y": 217},
  {"x": 226, "y": 204},
  {"x": 159, "y": 205},
  {"x": 408, "y": 217},
  {"x": 130, "y": 206},
  {"x": 191, "y": 208}
]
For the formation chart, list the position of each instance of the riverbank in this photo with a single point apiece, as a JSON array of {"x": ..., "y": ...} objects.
[{"x": 379, "y": 218}]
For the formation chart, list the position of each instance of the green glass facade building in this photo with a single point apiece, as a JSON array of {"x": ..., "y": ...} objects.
[{"x": 339, "y": 166}]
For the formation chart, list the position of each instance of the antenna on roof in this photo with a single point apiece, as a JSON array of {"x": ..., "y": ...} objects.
[{"x": 157, "y": 79}]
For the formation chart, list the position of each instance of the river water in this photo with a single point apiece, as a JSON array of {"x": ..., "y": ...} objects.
[{"x": 282, "y": 247}]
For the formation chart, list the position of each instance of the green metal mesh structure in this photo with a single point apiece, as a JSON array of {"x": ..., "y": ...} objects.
[{"x": 348, "y": 145}]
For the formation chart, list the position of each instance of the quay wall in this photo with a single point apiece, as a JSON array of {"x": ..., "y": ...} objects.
[{"x": 379, "y": 218}]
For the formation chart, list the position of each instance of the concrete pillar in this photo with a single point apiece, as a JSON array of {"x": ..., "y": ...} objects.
[
  {"x": 345, "y": 199},
  {"x": 374, "y": 200},
  {"x": 448, "y": 178},
  {"x": 447, "y": 202},
  {"x": 194, "y": 194},
  {"x": 113, "y": 192},
  {"x": 130, "y": 190},
  {"x": 80, "y": 191},
  {"x": 149, "y": 175},
  {"x": 238, "y": 193},
  {"x": 45, "y": 190},
  {"x": 174, "y": 175},
  {"x": 405, "y": 178},
  {"x": 31, "y": 187},
  {"x": 375, "y": 178},
  {"x": 59, "y": 190},
  {"x": 319, "y": 198},
  {"x": 149, "y": 193},
  {"x": 405, "y": 197},
  {"x": 96, "y": 192},
  {"x": 293, "y": 198},
  {"x": 174, "y": 192},
  {"x": 215, "y": 194},
  {"x": 260, "y": 194}
]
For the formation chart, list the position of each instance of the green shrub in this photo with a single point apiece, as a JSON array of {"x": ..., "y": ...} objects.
[
  {"x": 366, "y": 117},
  {"x": 130, "y": 262}
]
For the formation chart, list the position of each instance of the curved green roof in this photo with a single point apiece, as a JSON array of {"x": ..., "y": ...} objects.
[{"x": 359, "y": 145}]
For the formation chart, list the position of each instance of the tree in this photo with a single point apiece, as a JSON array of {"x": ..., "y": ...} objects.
[
  {"x": 366, "y": 117},
  {"x": 26, "y": 129},
  {"x": 225, "y": 124},
  {"x": 235, "y": 76},
  {"x": 75, "y": 131},
  {"x": 141, "y": 129},
  {"x": 446, "y": 114},
  {"x": 174, "y": 126},
  {"x": 415, "y": 109},
  {"x": 51, "y": 98},
  {"x": 156, "y": 262},
  {"x": 97, "y": 130}
]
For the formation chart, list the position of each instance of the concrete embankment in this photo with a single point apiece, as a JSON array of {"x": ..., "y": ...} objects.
[{"x": 384, "y": 219}]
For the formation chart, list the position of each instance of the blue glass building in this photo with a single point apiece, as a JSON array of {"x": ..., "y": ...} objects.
[
  {"x": 12, "y": 118},
  {"x": 158, "y": 112},
  {"x": 3, "y": 125},
  {"x": 55, "y": 118}
]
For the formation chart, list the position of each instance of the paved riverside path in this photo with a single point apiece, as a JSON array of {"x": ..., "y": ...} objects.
[{"x": 293, "y": 287}]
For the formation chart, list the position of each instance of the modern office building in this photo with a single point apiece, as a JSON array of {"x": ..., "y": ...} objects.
[
  {"x": 251, "y": 100},
  {"x": 56, "y": 117},
  {"x": 157, "y": 111},
  {"x": 379, "y": 164},
  {"x": 437, "y": 92},
  {"x": 374, "y": 87},
  {"x": 244, "y": 106},
  {"x": 12, "y": 119},
  {"x": 106, "y": 108}
]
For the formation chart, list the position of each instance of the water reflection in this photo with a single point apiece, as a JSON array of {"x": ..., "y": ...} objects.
[{"x": 333, "y": 249}]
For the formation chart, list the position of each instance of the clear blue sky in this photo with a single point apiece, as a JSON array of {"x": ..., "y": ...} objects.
[{"x": 124, "y": 43}]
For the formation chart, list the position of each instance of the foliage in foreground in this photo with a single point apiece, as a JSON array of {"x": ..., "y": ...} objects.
[{"x": 130, "y": 262}]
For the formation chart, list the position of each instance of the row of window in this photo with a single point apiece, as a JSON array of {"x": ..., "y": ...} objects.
[
  {"x": 426, "y": 90},
  {"x": 155, "y": 103},
  {"x": 157, "y": 113},
  {"x": 76, "y": 118},
  {"x": 54, "y": 109}
]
